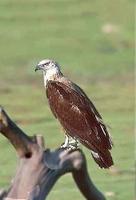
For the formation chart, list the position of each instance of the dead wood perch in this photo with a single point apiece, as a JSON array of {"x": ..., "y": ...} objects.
[{"x": 40, "y": 168}]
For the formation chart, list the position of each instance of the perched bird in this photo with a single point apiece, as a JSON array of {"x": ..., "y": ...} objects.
[{"x": 76, "y": 113}]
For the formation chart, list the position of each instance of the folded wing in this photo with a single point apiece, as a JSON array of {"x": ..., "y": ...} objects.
[{"x": 80, "y": 119}]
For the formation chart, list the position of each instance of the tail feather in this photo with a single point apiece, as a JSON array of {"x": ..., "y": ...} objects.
[{"x": 104, "y": 160}]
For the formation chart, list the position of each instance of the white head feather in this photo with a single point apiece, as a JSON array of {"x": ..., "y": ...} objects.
[{"x": 50, "y": 69}]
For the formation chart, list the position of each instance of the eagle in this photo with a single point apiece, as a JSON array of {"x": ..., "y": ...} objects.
[{"x": 76, "y": 113}]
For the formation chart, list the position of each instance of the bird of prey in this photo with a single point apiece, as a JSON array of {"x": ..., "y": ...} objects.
[{"x": 76, "y": 113}]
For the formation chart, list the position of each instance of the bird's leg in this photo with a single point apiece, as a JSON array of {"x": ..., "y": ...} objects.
[
  {"x": 73, "y": 143},
  {"x": 70, "y": 143},
  {"x": 65, "y": 144}
]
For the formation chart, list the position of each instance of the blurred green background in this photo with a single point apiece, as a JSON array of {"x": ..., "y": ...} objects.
[{"x": 94, "y": 43}]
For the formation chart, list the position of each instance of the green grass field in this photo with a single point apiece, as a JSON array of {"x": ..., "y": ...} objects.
[{"x": 93, "y": 42}]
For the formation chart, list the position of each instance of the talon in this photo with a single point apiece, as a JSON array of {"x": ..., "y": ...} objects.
[
  {"x": 63, "y": 146},
  {"x": 70, "y": 143}
]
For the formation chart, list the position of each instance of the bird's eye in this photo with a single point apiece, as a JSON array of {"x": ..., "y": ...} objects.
[{"x": 47, "y": 63}]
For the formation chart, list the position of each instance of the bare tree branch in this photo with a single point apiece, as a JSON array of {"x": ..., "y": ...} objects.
[
  {"x": 15, "y": 135},
  {"x": 37, "y": 173}
]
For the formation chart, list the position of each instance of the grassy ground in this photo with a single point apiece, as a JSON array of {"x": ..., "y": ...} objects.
[{"x": 93, "y": 41}]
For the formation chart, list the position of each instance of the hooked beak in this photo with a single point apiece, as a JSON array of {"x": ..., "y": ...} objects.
[{"x": 38, "y": 67}]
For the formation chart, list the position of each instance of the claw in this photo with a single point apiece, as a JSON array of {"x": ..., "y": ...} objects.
[{"x": 70, "y": 143}]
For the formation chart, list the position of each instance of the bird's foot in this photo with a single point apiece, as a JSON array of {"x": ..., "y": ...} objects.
[
  {"x": 70, "y": 143},
  {"x": 71, "y": 147}
]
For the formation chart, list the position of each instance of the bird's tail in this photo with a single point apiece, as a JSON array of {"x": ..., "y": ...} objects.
[{"x": 104, "y": 160}]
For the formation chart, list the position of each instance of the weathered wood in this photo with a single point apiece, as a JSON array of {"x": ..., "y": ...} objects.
[
  {"x": 14, "y": 134},
  {"x": 40, "y": 168}
]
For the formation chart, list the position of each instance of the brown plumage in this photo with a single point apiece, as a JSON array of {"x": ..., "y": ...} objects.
[{"x": 78, "y": 116}]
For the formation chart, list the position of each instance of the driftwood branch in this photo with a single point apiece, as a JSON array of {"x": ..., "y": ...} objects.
[
  {"x": 14, "y": 134},
  {"x": 40, "y": 168}
]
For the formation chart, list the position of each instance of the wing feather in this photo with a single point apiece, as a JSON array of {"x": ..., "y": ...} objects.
[{"x": 78, "y": 116}]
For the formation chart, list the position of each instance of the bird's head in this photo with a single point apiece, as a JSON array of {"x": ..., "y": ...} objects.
[{"x": 47, "y": 65}]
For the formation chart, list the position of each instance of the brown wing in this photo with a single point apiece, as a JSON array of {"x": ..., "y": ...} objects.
[{"x": 78, "y": 116}]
